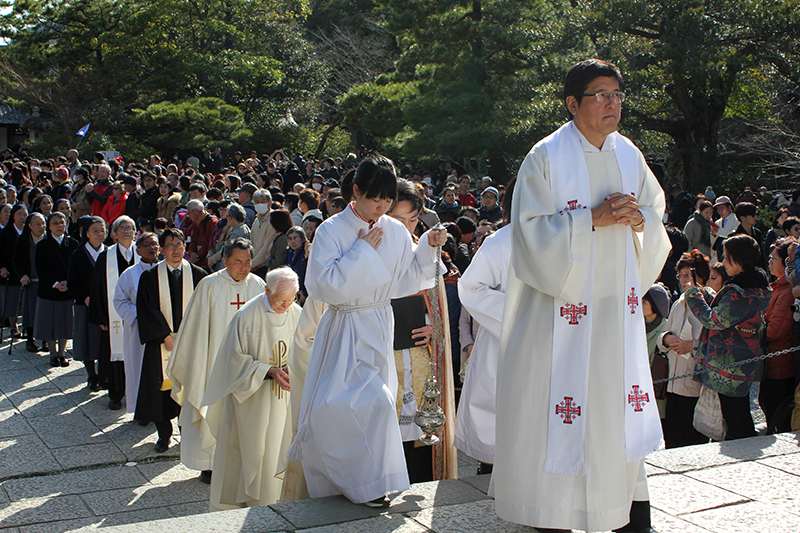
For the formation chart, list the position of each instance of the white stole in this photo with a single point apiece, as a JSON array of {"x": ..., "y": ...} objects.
[
  {"x": 165, "y": 303},
  {"x": 569, "y": 378},
  {"x": 115, "y": 330}
]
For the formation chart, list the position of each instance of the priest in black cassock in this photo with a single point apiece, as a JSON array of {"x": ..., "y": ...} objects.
[
  {"x": 163, "y": 294},
  {"x": 110, "y": 264}
]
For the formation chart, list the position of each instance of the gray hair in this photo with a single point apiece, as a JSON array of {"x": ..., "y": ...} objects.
[
  {"x": 239, "y": 243},
  {"x": 237, "y": 212},
  {"x": 281, "y": 279},
  {"x": 124, "y": 218},
  {"x": 195, "y": 205},
  {"x": 263, "y": 193},
  {"x": 299, "y": 230}
]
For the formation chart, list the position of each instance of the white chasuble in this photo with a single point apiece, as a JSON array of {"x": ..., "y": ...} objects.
[
  {"x": 165, "y": 305},
  {"x": 554, "y": 250},
  {"x": 116, "y": 330},
  {"x": 254, "y": 427},
  {"x": 132, "y": 348},
  {"x": 348, "y": 435},
  {"x": 213, "y": 303},
  {"x": 482, "y": 291}
]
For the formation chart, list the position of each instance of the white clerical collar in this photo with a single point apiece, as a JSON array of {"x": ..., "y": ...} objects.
[
  {"x": 231, "y": 277},
  {"x": 94, "y": 253},
  {"x": 59, "y": 240},
  {"x": 170, "y": 268},
  {"x": 267, "y": 307},
  {"x": 609, "y": 143},
  {"x": 19, "y": 231},
  {"x": 127, "y": 253}
]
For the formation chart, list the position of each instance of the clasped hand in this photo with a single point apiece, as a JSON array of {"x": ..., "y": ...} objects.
[{"x": 617, "y": 208}]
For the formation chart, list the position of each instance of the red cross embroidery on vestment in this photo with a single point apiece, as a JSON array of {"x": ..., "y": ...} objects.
[
  {"x": 633, "y": 300},
  {"x": 568, "y": 410},
  {"x": 637, "y": 399},
  {"x": 237, "y": 303},
  {"x": 573, "y": 204},
  {"x": 573, "y": 312}
]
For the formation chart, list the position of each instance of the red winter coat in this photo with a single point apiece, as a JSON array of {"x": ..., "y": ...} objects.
[
  {"x": 780, "y": 328},
  {"x": 113, "y": 208}
]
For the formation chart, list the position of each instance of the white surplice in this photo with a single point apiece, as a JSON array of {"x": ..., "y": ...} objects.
[
  {"x": 214, "y": 302},
  {"x": 482, "y": 291},
  {"x": 348, "y": 434},
  {"x": 133, "y": 349},
  {"x": 254, "y": 426},
  {"x": 544, "y": 244}
]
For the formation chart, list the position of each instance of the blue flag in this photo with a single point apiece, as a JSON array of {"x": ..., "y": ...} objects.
[{"x": 83, "y": 130}]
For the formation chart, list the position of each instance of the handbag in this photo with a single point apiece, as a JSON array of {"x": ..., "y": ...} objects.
[
  {"x": 708, "y": 415},
  {"x": 659, "y": 369}
]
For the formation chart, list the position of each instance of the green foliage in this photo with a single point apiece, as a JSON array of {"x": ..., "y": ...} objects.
[{"x": 191, "y": 125}]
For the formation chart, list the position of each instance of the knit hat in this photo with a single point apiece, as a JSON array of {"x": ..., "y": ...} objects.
[
  {"x": 658, "y": 295},
  {"x": 491, "y": 190}
]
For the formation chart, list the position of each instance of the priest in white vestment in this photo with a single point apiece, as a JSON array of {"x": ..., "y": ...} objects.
[
  {"x": 249, "y": 386},
  {"x": 575, "y": 408},
  {"x": 348, "y": 436},
  {"x": 125, "y": 304},
  {"x": 214, "y": 302},
  {"x": 482, "y": 291}
]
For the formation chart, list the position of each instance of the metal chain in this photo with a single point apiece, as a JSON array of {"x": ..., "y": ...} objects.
[{"x": 731, "y": 365}]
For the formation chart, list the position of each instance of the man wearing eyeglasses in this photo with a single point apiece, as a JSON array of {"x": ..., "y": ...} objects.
[
  {"x": 163, "y": 294},
  {"x": 575, "y": 407}
]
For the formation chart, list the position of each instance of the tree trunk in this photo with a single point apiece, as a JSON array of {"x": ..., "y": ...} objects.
[{"x": 325, "y": 134}]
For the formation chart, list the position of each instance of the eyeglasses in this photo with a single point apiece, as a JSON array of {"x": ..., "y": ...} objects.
[
  {"x": 603, "y": 97},
  {"x": 171, "y": 247},
  {"x": 126, "y": 228}
]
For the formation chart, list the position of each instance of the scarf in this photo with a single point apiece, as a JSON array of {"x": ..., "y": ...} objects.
[
  {"x": 165, "y": 304},
  {"x": 115, "y": 331},
  {"x": 572, "y": 325}
]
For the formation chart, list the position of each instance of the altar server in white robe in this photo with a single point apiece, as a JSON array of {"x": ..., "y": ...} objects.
[
  {"x": 348, "y": 436},
  {"x": 482, "y": 291},
  {"x": 214, "y": 302},
  {"x": 575, "y": 408},
  {"x": 249, "y": 387},
  {"x": 125, "y": 304}
]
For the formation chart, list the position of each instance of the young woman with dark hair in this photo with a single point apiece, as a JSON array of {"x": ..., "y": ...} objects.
[
  {"x": 54, "y": 306},
  {"x": 732, "y": 331},
  {"x": 360, "y": 259},
  {"x": 680, "y": 342}
]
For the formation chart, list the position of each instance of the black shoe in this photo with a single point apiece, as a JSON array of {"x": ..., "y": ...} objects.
[
  {"x": 45, "y": 347},
  {"x": 205, "y": 477},
  {"x": 378, "y": 502},
  {"x": 16, "y": 334},
  {"x": 115, "y": 405},
  {"x": 142, "y": 422},
  {"x": 63, "y": 361},
  {"x": 485, "y": 468},
  {"x": 93, "y": 385},
  {"x": 54, "y": 361},
  {"x": 31, "y": 347},
  {"x": 162, "y": 445}
]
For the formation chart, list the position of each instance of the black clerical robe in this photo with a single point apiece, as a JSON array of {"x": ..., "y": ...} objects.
[
  {"x": 112, "y": 373},
  {"x": 153, "y": 404}
]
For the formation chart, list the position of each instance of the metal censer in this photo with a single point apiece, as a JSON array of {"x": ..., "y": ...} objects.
[{"x": 429, "y": 416}]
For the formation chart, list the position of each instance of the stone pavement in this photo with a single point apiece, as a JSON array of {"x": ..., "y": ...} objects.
[{"x": 68, "y": 463}]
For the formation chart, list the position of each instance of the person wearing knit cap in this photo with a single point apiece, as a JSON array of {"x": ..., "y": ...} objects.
[{"x": 490, "y": 208}]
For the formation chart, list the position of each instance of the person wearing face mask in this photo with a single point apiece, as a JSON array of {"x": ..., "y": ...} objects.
[
  {"x": 316, "y": 182},
  {"x": 262, "y": 233}
]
